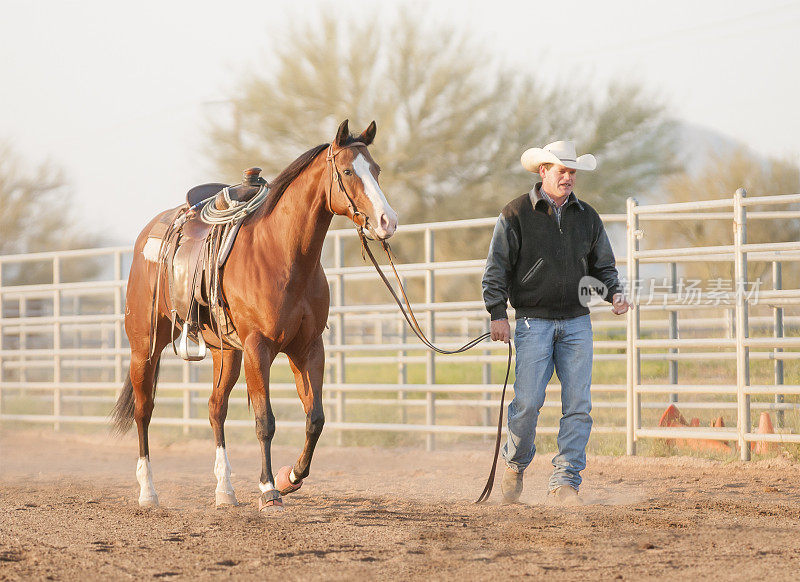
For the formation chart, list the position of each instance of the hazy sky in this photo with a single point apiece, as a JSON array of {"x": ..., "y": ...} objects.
[{"x": 117, "y": 93}]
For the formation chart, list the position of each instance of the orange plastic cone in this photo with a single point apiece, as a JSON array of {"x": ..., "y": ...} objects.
[
  {"x": 705, "y": 444},
  {"x": 764, "y": 427},
  {"x": 672, "y": 417}
]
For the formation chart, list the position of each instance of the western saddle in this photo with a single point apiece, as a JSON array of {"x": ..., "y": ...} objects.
[{"x": 193, "y": 242}]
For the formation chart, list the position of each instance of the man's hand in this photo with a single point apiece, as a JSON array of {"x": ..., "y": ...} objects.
[
  {"x": 619, "y": 304},
  {"x": 501, "y": 330}
]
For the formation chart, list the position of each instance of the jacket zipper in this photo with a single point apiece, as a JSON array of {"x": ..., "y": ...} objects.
[
  {"x": 532, "y": 271},
  {"x": 561, "y": 241}
]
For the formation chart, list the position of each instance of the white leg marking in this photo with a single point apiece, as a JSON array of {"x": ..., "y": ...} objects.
[
  {"x": 268, "y": 486},
  {"x": 375, "y": 195},
  {"x": 144, "y": 474},
  {"x": 222, "y": 470},
  {"x": 293, "y": 478}
]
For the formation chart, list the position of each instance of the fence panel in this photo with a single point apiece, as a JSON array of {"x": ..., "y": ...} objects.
[
  {"x": 63, "y": 353},
  {"x": 740, "y": 301}
]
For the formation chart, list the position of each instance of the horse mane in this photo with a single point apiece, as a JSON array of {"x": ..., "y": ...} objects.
[{"x": 288, "y": 175}]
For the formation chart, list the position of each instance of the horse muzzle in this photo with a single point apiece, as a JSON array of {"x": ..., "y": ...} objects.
[{"x": 386, "y": 225}]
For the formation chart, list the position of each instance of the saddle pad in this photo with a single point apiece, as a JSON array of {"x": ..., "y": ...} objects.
[{"x": 153, "y": 244}]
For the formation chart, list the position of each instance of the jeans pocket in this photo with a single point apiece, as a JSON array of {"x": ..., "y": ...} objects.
[{"x": 523, "y": 327}]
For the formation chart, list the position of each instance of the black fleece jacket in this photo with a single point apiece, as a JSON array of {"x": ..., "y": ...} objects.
[{"x": 538, "y": 263}]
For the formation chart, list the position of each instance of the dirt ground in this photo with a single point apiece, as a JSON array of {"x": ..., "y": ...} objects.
[{"x": 69, "y": 511}]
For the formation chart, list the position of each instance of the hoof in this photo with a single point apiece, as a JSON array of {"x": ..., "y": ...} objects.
[
  {"x": 270, "y": 501},
  {"x": 150, "y": 501},
  {"x": 223, "y": 498},
  {"x": 283, "y": 483}
]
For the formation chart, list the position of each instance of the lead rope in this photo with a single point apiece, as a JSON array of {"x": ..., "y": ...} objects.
[
  {"x": 415, "y": 327},
  {"x": 336, "y": 180}
]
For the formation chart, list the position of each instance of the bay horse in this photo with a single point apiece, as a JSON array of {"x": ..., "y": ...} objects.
[{"x": 278, "y": 298}]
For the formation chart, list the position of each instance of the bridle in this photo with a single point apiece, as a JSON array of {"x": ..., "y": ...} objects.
[
  {"x": 360, "y": 219},
  {"x": 405, "y": 304}
]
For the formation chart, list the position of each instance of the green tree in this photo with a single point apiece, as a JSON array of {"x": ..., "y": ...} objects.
[
  {"x": 720, "y": 176},
  {"x": 452, "y": 121},
  {"x": 35, "y": 217}
]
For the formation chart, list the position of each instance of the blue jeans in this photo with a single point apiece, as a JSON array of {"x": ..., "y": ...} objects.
[{"x": 543, "y": 345}]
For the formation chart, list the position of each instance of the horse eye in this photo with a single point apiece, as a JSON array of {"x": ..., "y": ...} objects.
[{"x": 347, "y": 172}]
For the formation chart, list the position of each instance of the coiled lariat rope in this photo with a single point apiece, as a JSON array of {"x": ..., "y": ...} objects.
[
  {"x": 408, "y": 314},
  {"x": 210, "y": 214}
]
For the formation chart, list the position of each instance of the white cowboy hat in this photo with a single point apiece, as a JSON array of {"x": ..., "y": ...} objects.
[{"x": 558, "y": 152}]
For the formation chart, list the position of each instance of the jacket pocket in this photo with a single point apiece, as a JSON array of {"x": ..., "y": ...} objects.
[{"x": 532, "y": 271}]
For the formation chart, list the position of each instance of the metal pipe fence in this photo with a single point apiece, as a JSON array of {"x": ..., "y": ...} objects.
[
  {"x": 64, "y": 354},
  {"x": 738, "y": 345}
]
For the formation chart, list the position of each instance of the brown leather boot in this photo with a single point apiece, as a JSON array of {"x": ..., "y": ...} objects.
[
  {"x": 511, "y": 486},
  {"x": 564, "y": 495}
]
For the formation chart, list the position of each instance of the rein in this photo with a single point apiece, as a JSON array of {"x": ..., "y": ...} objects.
[{"x": 408, "y": 314}]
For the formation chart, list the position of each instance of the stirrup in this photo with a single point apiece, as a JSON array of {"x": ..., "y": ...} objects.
[{"x": 183, "y": 345}]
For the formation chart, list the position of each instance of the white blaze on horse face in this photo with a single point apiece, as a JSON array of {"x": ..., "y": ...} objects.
[
  {"x": 222, "y": 471},
  {"x": 385, "y": 217},
  {"x": 144, "y": 474}
]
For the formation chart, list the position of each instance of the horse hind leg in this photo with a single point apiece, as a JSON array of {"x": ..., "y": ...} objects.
[
  {"x": 227, "y": 366},
  {"x": 308, "y": 370},
  {"x": 143, "y": 377},
  {"x": 136, "y": 402},
  {"x": 125, "y": 412}
]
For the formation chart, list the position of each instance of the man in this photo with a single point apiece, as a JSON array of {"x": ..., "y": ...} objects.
[{"x": 548, "y": 249}]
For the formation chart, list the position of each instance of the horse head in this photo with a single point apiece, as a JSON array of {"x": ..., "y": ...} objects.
[{"x": 354, "y": 190}]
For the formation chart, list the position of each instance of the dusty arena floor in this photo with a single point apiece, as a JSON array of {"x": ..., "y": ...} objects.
[{"x": 68, "y": 511}]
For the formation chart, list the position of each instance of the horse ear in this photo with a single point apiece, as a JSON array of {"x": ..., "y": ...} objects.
[
  {"x": 341, "y": 134},
  {"x": 369, "y": 134}
]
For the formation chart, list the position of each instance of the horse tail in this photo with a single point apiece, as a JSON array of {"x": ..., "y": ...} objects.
[{"x": 122, "y": 413}]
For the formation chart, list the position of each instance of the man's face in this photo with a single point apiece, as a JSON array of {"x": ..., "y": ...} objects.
[{"x": 557, "y": 180}]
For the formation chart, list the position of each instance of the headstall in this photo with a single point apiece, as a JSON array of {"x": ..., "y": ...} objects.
[{"x": 359, "y": 218}]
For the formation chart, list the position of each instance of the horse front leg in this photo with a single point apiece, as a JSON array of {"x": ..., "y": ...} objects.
[
  {"x": 227, "y": 366},
  {"x": 258, "y": 357},
  {"x": 308, "y": 368}
]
